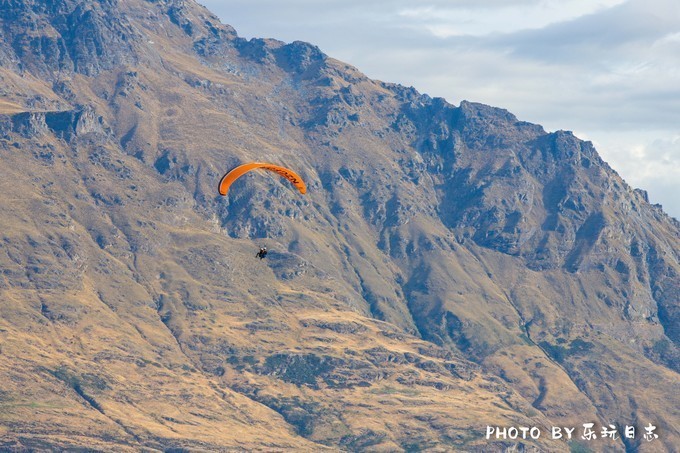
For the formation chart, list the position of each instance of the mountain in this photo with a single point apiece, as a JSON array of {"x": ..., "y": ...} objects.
[{"x": 450, "y": 268}]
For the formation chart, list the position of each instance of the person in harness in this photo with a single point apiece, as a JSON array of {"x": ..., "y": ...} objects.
[{"x": 262, "y": 253}]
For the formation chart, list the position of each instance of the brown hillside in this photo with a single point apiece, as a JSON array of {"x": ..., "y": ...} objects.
[{"x": 449, "y": 268}]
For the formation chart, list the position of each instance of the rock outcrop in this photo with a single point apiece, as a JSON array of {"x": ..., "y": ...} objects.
[{"x": 451, "y": 267}]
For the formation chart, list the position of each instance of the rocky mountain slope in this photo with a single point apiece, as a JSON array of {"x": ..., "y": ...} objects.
[{"x": 450, "y": 267}]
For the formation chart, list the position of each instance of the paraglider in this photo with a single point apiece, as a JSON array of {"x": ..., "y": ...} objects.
[{"x": 228, "y": 179}]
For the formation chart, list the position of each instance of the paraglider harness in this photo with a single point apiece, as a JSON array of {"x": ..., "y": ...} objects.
[{"x": 262, "y": 253}]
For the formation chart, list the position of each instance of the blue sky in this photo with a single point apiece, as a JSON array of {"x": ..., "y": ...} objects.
[{"x": 608, "y": 70}]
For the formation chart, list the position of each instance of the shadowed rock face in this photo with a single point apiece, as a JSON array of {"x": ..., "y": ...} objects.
[
  {"x": 451, "y": 267},
  {"x": 43, "y": 37}
]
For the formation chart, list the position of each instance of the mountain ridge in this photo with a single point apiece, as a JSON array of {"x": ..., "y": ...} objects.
[{"x": 408, "y": 278}]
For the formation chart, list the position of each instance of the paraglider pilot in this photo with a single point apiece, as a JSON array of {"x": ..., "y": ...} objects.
[{"x": 262, "y": 253}]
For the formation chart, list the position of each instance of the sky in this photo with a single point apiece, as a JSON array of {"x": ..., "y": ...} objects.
[{"x": 608, "y": 70}]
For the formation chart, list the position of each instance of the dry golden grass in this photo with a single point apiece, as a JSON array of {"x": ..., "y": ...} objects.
[
  {"x": 134, "y": 315},
  {"x": 8, "y": 108}
]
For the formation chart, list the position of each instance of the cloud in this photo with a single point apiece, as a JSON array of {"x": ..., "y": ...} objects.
[
  {"x": 483, "y": 18},
  {"x": 646, "y": 161}
]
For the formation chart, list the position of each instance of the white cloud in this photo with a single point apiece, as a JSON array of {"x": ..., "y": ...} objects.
[
  {"x": 650, "y": 161},
  {"x": 480, "y": 18}
]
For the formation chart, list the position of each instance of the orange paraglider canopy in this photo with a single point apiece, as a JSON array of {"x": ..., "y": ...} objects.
[{"x": 239, "y": 171}]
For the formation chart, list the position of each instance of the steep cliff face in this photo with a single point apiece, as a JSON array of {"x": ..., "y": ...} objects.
[
  {"x": 451, "y": 267},
  {"x": 46, "y": 38}
]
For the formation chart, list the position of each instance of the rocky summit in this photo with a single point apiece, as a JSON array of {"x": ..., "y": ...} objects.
[{"x": 451, "y": 269}]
